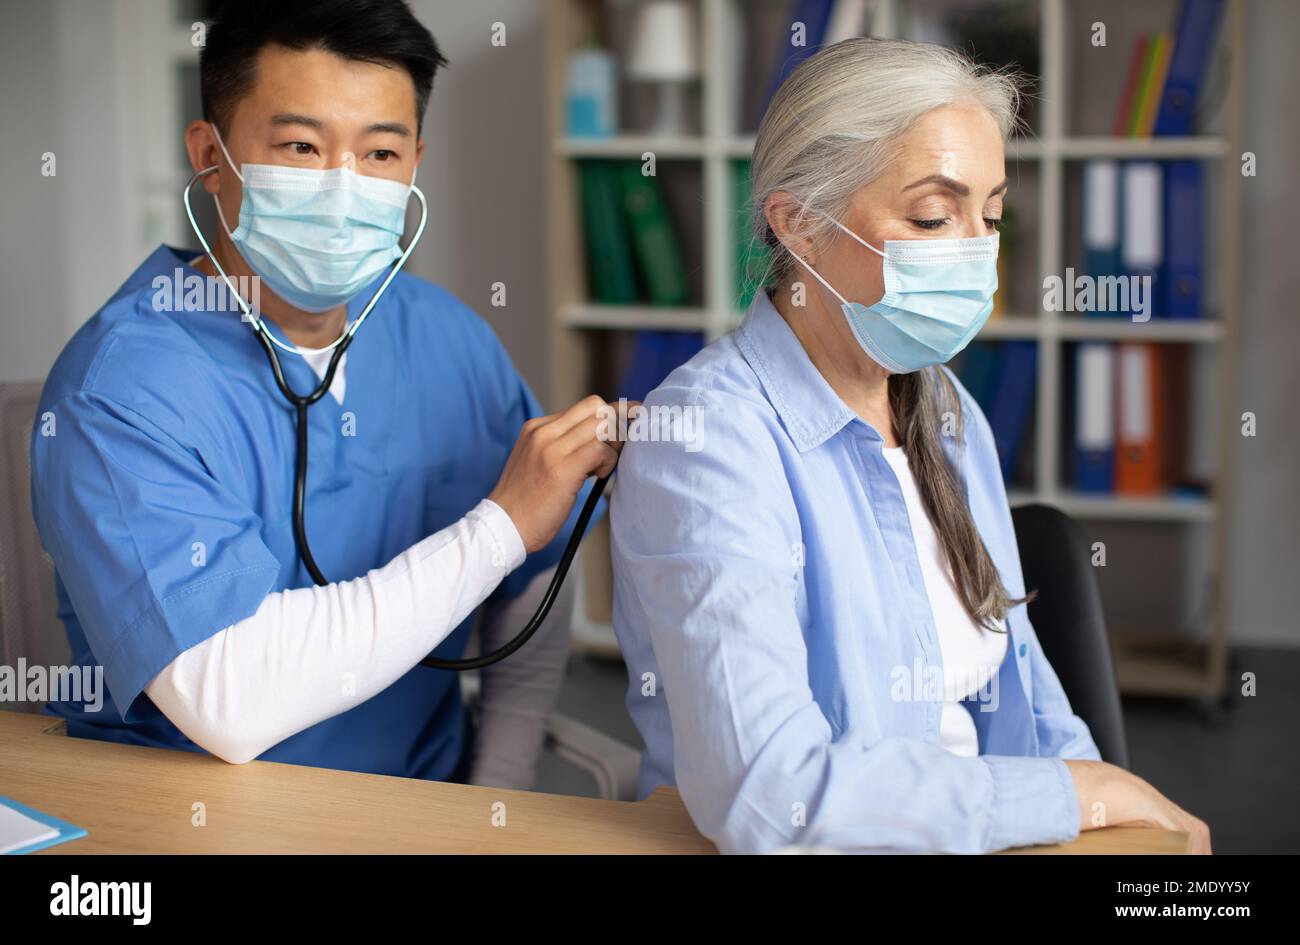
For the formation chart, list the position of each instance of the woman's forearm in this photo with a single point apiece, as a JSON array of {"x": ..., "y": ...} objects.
[{"x": 1109, "y": 796}]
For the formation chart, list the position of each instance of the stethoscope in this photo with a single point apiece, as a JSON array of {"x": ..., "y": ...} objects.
[{"x": 301, "y": 402}]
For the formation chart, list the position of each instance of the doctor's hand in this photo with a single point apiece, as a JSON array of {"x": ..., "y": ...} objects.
[
  {"x": 551, "y": 460},
  {"x": 1109, "y": 796}
]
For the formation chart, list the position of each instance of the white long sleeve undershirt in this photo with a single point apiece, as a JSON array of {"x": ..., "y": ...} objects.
[{"x": 312, "y": 653}]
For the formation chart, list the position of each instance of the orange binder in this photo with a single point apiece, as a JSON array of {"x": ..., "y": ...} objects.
[{"x": 1140, "y": 424}]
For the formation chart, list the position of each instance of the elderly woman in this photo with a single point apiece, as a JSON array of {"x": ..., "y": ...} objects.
[{"x": 821, "y": 603}]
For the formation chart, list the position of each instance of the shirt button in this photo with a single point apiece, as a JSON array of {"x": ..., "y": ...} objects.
[{"x": 1022, "y": 649}]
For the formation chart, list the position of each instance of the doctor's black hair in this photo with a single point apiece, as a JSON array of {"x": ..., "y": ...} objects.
[{"x": 385, "y": 32}]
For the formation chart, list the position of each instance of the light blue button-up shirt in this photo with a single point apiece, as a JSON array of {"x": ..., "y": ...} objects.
[{"x": 783, "y": 661}]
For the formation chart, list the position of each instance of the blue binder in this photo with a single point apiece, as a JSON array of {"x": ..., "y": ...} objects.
[
  {"x": 979, "y": 372},
  {"x": 655, "y": 355},
  {"x": 1101, "y": 223},
  {"x": 1197, "y": 21},
  {"x": 1142, "y": 245},
  {"x": 815, "y": 15},
  {"x": 1013, "y": 401},
  {"x": 1094, "y": 417},
  {"x": 1184, "y": 239}
]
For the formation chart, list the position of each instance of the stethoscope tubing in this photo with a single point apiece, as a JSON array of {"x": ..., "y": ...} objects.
[{"x": 302, "y": 402}]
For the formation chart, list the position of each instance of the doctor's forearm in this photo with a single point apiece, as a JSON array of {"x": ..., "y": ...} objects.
[{"x": 312, "y": 653}]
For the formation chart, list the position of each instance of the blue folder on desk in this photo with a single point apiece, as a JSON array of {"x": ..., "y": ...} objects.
[{"x": 66, "y": 831}]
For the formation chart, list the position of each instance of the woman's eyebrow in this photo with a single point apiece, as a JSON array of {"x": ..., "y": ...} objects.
[{"x": 956, "y": 186}]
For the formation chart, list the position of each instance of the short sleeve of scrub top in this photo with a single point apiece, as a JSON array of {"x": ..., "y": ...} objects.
[{"x": 155, "y": 554}]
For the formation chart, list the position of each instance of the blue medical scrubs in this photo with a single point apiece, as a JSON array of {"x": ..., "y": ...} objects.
[{"x": 162, "y": 485}]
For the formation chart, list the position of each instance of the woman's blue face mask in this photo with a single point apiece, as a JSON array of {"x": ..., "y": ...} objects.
[
  {"x": 938, "y": 295},
  {"x": 317, "y": 237}
]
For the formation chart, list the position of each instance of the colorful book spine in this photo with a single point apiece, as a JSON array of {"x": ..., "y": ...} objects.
[
  {"x": 1153, "y": 85},
  {"x": 1131, "y": 85}
]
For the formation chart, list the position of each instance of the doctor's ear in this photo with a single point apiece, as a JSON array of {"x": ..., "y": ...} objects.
[
  {"x": 203, "y": 150},
  {"x": 790, "y": 222}
]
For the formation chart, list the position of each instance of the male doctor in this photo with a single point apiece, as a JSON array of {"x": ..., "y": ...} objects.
[{"x": 163, "y": 462}]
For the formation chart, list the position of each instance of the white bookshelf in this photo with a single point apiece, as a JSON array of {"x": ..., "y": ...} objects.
[{"x": 1183, "y": 666}]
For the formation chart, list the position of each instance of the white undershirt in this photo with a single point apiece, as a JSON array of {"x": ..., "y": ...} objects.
[
  {"x": 311, "y": 653},
  {"x": 319, "y": 359},
  {"x": 971, "y": 654}
]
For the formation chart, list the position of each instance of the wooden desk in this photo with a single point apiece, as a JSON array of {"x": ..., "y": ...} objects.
[{"x": 140, "y": 800}]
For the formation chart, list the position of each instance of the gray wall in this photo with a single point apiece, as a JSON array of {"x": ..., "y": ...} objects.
[
  {"x": 483, "y": 170},
  {"x": 33, "y": 316},
  {"x": 1265, "y": 500},
  {"x": 483, "y": 174}
]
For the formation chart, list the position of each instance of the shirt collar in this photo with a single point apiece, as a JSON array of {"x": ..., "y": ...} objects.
[{"x": 809, "y": 409}]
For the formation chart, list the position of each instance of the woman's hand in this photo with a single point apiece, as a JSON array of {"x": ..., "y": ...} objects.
[
  {"x": 551, "y": 460},
  {"x": 1109, "y": 796}
]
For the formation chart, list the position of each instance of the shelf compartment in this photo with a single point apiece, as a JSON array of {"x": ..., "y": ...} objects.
[
  {"x": 1169, "y": 330},
  {"x": 1166, "y": 667},
  {"x": 633, "y": 146},
  {"x": 634, "y": 317},
  {"x": 1165, "y": 507}
]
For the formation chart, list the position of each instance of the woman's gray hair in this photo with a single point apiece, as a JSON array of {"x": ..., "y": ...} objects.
[{"x": 831, "y": 129}]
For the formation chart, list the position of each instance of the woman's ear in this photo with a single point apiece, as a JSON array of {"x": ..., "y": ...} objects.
[{"x": 788, "y": 220}]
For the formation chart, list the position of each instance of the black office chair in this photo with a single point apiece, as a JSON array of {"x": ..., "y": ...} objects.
[{"x": 1068, "y": 619}]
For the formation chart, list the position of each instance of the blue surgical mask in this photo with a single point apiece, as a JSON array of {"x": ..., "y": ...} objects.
[
  {"x": 317, "y": 237},
  {"x": 938, "y": 295}
]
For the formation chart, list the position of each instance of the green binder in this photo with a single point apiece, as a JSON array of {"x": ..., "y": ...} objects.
[
  {"x": 752, "y": 257},
  {"x": 658, "y": 256},
  {"x": 611, "y": 273}
]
